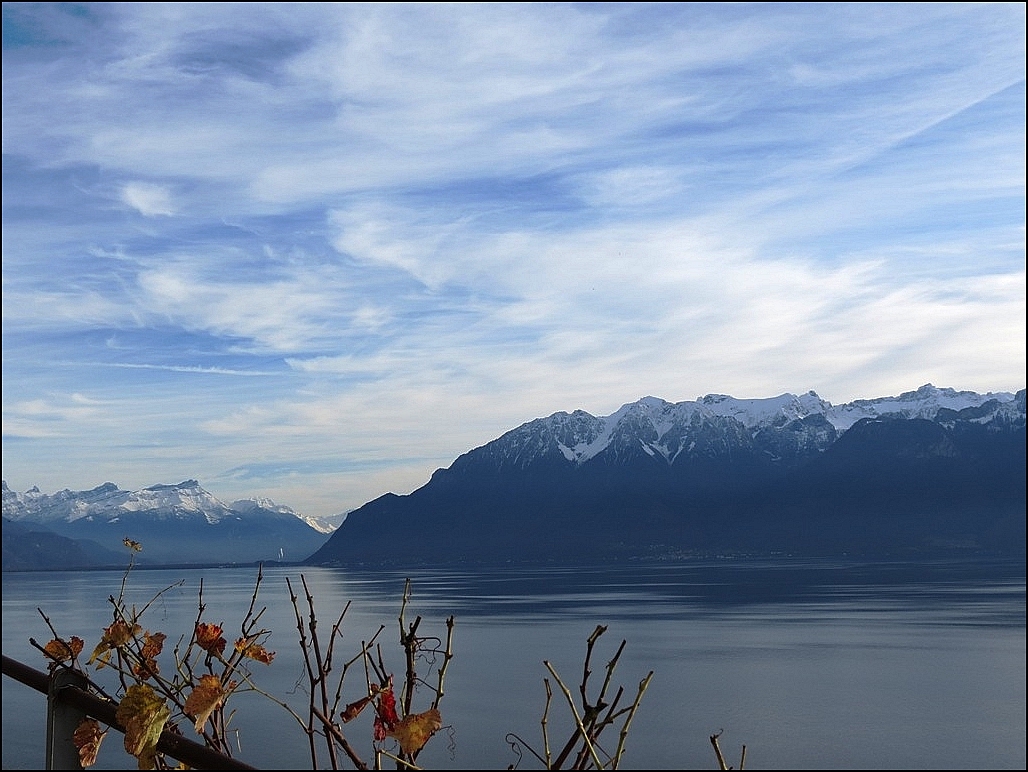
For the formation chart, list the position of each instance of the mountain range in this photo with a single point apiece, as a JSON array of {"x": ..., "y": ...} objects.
[
  {"x": 930, "y": 471},
  {"x": 175, "y": 524}
]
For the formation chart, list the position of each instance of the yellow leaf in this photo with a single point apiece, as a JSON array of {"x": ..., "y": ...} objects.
[
  {"x": 87, "y": 738},
  {"x": 413, "y": 731},
  {"x": 143, "y": 714},
  {"x": 204, "y": 699},
  {"x": 63, "y": 651},
  {"x": 254, "y": 651},
  {"x": 147, "y": 759}
]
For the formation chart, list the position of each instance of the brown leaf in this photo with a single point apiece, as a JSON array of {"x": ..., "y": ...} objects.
[
  {"x": 413, "y": 731},
  {"x": 208, "y": 638},
  {"x": 351, "y": 711},
  {"x": 152, "y": 645},
  {"x": 254, "y": 651},
  {"x": 148, "y": 668},
  {"x": 114, "y": 637},
  {"x": 87, "y": 738},
  {"x": 205, "y": 699},
  {"x": 64, "y": 651}
]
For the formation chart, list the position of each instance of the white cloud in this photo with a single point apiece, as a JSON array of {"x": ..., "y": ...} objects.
[
  {"x": 149, "y": 200},
  {"x": 413, "y": 227}
]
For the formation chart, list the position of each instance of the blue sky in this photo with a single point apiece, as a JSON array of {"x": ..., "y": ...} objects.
[{"x": 316, "y": 251}]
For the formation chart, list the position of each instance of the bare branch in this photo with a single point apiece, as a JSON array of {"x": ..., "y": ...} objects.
[{"x": 574, "y": 712}]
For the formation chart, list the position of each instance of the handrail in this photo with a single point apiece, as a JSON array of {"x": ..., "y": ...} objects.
[{"x": 178, "y": 747}]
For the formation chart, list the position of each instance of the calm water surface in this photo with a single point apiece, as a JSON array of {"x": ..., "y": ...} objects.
[{"x": 809, "y": 664}]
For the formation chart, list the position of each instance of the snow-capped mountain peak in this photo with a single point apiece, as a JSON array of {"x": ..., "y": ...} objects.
[
  {"x": 259, "y": 502},
  {"x": 665, "y": 429},
  {"x": 181, "y": 523},
  {"x": 186, "y": 496},
  {"x": 659, "y": 425},
  {"x": 108, "y": 502},
  {"x": 925, "y": 402},
  {"x": 771, "y": 411}
]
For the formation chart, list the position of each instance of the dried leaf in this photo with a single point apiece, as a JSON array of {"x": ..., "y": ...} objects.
[
  {"x": 205, "y": 699},
  {"x": 147, "y": 666},
  {"x": 120, "y": 633},
  {"x": 64, "y": 651},
  {"x": 87, "y": 738},
  {"x": 387, "y": 705},
  {"x": 114, "y": 637},
  {"x": 414, "y": 730},
  {"x": 145, "y": 670},
  {"x": 152, "y": 644},
  {"x": 385, "y": 712},
  {"x": 254, "y": 651},
  {"x": 351, "y": 711},
  {"x": 208, "y": 638},
  {"x": 143, "y": 714}
]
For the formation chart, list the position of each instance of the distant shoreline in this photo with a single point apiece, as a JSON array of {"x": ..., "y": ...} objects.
[{"x": 723, "y": 557}]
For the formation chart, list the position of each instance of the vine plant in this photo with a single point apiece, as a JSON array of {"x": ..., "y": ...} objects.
[{"x": 205, "y": 675}]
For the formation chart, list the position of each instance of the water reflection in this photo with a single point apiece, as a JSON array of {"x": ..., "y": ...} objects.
[
  {"x": 812, "y": 664},
  {"x": 690, "y": 590}
]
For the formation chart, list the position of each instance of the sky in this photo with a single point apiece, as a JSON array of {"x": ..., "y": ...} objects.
[{"x": 314, "y": 252}]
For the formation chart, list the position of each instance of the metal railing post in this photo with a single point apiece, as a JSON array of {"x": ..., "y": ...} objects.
[
  {"x": 61, "y": 721},
  {"x": 69, "y": 701}
]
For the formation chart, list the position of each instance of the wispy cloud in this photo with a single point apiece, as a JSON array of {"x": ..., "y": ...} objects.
[
  {"x": 148, "y": 200},
  {"x": 316, "y": 251}
]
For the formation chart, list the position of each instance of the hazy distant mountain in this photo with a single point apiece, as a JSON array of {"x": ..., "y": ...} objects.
[
  {"x": 324, "y": 525},
  {"x": 33, "y": 547},
  {"x": 174, "y": 523},
  {"x": 930, "y": 470}
]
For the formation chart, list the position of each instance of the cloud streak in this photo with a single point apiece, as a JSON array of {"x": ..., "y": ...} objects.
[{"x": 315, "y": 252}]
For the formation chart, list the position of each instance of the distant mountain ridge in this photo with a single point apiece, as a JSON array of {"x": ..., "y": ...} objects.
[
  {"x": 181, "y": 523},
  {"x": 931, "y": 469}
]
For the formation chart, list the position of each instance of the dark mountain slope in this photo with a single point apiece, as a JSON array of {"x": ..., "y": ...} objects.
[{"x": 707, "y": 484}]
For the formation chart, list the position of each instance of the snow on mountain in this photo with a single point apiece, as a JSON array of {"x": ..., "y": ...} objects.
[
  {"x": 760, "y": 413},
  {"x": 185, "y": 497},
  {"x": 659, "y": 427},
  {"x": 923, "y": 403},
  {"x": 63, "y": 506},
  {"x": 319, "y": 524},
  {"x": 775, "y": 411},
  {"x": 109, "y": 503},
  {"x": 932, "y": 471}
]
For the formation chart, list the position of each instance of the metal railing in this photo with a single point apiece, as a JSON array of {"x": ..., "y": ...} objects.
[{"x": 68, "y": 702}]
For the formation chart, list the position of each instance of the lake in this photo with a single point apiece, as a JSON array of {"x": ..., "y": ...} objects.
[{"x": 810, "y": 664}]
